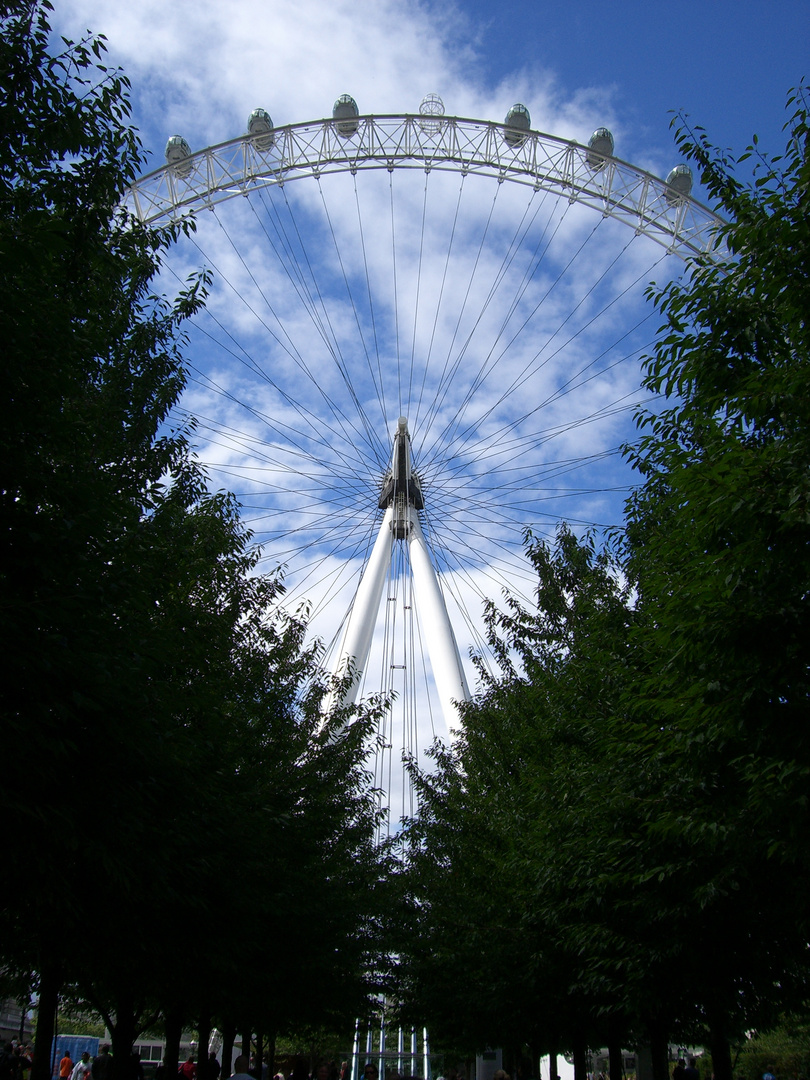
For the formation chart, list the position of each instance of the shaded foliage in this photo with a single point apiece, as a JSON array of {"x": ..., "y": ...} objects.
[
  {"x": 187, "y": 821},
  {"x": 629, "y": 795}
]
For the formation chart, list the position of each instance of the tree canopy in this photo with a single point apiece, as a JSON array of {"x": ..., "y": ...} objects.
[{"x": 188, "y": 837}]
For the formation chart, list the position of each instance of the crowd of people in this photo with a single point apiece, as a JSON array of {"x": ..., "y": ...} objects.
[
  {"x": 17, "y": 1059},
  {"x": 249, "y": 1068}
]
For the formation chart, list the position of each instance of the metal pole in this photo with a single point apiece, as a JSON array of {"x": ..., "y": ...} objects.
[
  {"x": 381, "y": 1061},
  {"x": 356, "y": 1051}
]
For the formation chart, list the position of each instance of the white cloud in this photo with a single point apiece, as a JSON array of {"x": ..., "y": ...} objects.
[{"x": 200, "y": 68}]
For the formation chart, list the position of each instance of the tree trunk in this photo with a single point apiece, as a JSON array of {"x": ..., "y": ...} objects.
[
  {"x": 534, "y": 1052},
  {"x": 123, "y": 1036},
  {"x": 580, "y": 1068},
  {"x": 228, "y": 1039},
  {"x": 50, "y": 982},
  {"x": 204, "y": 1038},
  {"x": 271, "y": 1055},
  {"x": 659, "y": 1051},
  {"x": 552, "y": 1063},
  {"x": 719, "y": 1049},
  {"x": 614, "y": 1041},
  {"x": 173, "y": 1030}
]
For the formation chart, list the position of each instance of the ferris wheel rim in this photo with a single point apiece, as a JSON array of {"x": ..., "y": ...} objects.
[{"x": 563, "y": 167}]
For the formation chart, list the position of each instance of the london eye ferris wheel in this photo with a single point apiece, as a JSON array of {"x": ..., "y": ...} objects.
[{"x": 423, "y": 338}]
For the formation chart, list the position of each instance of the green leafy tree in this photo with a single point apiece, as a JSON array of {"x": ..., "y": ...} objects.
[
  {"x": 187, "y": 825},
  {"x": 784, "y": 1051},
  {"x": 510, "y": 862},
  {"x": 719, "y": 542},
  {"x": 719, "y": 528},
  {"x": 92, "y": 366}
]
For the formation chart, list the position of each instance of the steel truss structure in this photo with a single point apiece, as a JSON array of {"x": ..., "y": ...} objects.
[{"x": 606, "y": 184}]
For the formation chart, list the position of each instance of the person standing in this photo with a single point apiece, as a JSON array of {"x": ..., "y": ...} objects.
[
  {"x": 240, "y": 1068},
  {"x": 65, "y": 1066},
  {"x": 81, "y": 1070},
  {"x": 100, "y": 1069}
]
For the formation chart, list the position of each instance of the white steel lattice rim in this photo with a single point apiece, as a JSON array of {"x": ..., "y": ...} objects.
[{"x": 613, "y": 187}]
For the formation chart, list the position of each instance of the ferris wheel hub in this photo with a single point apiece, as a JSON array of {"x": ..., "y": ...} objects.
[{"x": 401, "y": 488}]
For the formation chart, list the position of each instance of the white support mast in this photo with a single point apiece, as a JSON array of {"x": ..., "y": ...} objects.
[
  {"x": 401, "y": 499},
  {"x": 448, "y": 674},
  {"x": 360, "y": 628}
]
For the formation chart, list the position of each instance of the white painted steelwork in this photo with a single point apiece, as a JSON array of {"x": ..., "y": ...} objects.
[
  {"x": 445, "y": 662},
  {"x": 401, "y": 500},
  {"x": 618, "y": 190},
  {"x": 363, "y": 616}
]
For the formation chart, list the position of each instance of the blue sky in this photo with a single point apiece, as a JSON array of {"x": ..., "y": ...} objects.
[
  {"x": 527, "y": 344},
  {"x": 728, "y": 64}
]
